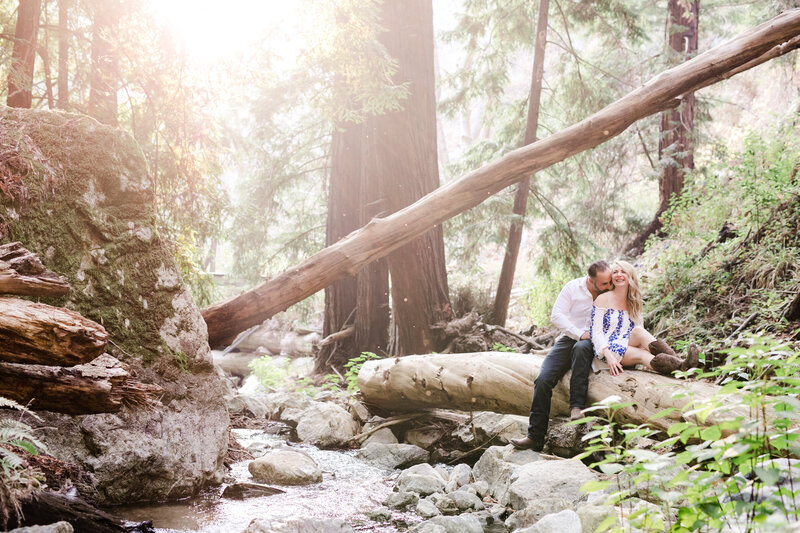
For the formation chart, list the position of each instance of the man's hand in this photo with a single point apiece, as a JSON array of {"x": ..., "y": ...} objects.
[
  {"x": 614, "y": 364},
  {"x": 585, "y": 336}
]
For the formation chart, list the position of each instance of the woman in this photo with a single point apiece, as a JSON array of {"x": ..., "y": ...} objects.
[{"x": 617, "y": 333}]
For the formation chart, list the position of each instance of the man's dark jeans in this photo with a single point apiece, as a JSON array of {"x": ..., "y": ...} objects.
[{"x": 565, "y": 354}]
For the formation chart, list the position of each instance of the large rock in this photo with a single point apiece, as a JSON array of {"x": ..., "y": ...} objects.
[
  {"x": 58, "y": 527},
  {"x": 465, "y": 523},
  {"x": 326, "y": 425},
  {"x": 285, "y": 467},
  {"x": 560, "y": 479},
  {"x": 485, "y": 426},
  {"x": 566, "y": 521},
  {"x": 392, "y": 455},
  {"x": 497, "y": 465},
  {"x": 79, "y": 195},
  {"x": 299, "y": 525}
]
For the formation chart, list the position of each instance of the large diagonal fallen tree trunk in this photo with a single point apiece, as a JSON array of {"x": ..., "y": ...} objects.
[
  {"x": 503, "y": 382},
  {"x": 36, "y": 333},
  {"x": 382, "y": 236},
  {"x": 23, "y": 274},
  {"x": 102, "y": 386}
]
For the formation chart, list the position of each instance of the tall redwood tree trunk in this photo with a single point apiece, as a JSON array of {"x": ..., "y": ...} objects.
[
  {"x": 503, "y": 295},
  {"x": 404, "y": 146},
  {"x": 103, "y": 90},
  {"x": 63, "y": 55},
  {"x": 23, "y": 56},
  {"x": 675, "y": 144},
  {"x": 344, "y": 201}
]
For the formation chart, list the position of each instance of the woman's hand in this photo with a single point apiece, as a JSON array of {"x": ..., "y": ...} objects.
[{"x": 614, "y": 364}]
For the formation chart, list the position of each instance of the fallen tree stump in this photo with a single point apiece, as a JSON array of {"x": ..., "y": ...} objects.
[
  {"x": 102, "y": 386},
  {"x": 23, "y": 274},
  {"x": 503, "y": 382},
  {"x": 36, "y": 333}
]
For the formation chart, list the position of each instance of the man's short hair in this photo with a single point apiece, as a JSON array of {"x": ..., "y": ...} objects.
[{"x": 597, "y": 266}]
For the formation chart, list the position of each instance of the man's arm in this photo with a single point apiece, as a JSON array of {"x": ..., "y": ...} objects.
[{"x": 559, "y": 317}]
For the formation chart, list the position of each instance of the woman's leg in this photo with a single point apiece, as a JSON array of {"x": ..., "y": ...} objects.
[
  {"x": 634, "y": 355},
  {"x": 641, "y": 338}
]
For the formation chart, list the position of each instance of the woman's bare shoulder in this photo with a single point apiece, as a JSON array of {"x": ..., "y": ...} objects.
[{"x": 603, "y": 300}]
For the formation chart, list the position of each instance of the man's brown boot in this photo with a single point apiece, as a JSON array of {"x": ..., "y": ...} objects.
[
  {"x": 666, "y": 364},
  {"x": 659, "y": 346},
  {"x": 575, "y": 413},
  {"x": 527, "y": 443}
]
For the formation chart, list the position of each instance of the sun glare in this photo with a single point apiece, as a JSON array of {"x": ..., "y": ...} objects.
[{"x": 214, "y": 30}]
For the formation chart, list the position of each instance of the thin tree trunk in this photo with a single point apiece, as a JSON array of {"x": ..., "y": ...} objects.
[
  {"x": 404, "y": 142},
  {"x": 23, "y": 56},
  {"x": 503, "y": 294},
  {"x": 63, "y": 54},
  {"x": 103, "y": 89},
  {"x": 344, "y": 201},
  {"x": 384, "y": 235},
  {"x": 675, "y": 144}
]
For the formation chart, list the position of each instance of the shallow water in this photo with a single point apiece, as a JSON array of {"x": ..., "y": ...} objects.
[{"x": 349, "y": 487}]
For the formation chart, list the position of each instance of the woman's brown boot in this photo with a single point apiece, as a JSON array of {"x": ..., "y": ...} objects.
[
  {"x": 665, "y": 363},
  {"x": 659, "y": 346}
]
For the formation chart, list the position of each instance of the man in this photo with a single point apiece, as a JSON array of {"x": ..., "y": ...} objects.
[{"x": 571, "y": 314}]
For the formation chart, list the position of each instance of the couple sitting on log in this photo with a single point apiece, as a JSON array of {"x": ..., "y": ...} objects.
[{"x": 601, "y": 317}]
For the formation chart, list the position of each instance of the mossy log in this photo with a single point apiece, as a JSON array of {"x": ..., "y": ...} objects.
[
  {"x": 382, "y": 236},
  {"x": 36, "y": 333},
  {"x": 102, "y": 386},
  {"x": 23, "y": 274},
  {"x": 503, "y": 382}
]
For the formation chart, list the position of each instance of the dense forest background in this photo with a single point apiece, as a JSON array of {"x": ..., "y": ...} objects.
[{"x": 260, "y": 121}]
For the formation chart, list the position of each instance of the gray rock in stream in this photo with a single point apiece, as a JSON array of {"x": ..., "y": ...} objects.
[
  {"x": 496, "y": 467},
  {"x": 285, "y": 467},
  {"x": 465, "y": 523},
  {"x": 58, "y": 527},
  {"x": 566, "y": 521},
  {"x": 243, "y": 490},
  {"x": 392, "y": 455},
  {"x": 300, "y": 525},
  {"x": 559, "y": 479},
  {"x": 326, "y": 425}
]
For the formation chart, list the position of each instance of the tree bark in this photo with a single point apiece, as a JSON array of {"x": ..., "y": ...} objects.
[
  {"x": 675, "y": 144},
  {"x": 503, "y": 294},
  {"x": 503, "y": 382},
  {"x": 344, "y": 207},
  {"x": 104, "y": 79},
  {"x": 41, "y": 334},
  {"x": 384, "y": 235},
  {"x": 102, "y": 386},
  {"x": 23, "y": 274},
  {"x": 404, "y": 144},
  {"x": 23, "y": 56},
  {"x": 63, "y": 55}
]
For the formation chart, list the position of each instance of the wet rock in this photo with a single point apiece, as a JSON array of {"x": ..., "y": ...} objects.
[
  {"x": 392, "y": 455},
  {"x": 382, "y": 436},
  {"x": 287, "y": 406},
  {"x": 465, "y": 523},
  {"x": 285, "y": 467},
  {"x": 459, "y": 477},
  {"x": 423, "y": 469},
  {"x": 246, "y": 404},
  {"x": 359, "y": 411},
  {"x": 561, "y": 479},
  {"x": 566, "y": 521},
  {"x": 536, "y": 510},
  {"x": 381, "y": 514},
  {"x": 427, "y": 509},
  {"x": 481, "y": 488},
  {"x": 486, "y": 425},
  {"x": 593, "y": 515},
  {"x": 423, "y": 437},
  {"x": 58, "y": 527},
  {"x": 466, "y": 501},
  {"x": 300, "y": 525},
  {"x": 419, "y": 484},
  {"x": 401, "y": 500},
  {"x": 243, "y": 490},
  {"x": 326, "y": 425},
  {"x": 497, "y": 465}
]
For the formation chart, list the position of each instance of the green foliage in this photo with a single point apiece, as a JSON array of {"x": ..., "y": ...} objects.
[
  {"x": 735, "y": 469},
  {"x": 15, "y": 477},
  {"x": 541, "y": 292},
  {"x": 353, "y": 366},
  {"x": 500, "y": 347},
  {"x": 270, "y": 374}
]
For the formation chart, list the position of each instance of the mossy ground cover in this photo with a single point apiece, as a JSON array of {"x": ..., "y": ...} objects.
[{"x": 732, "y": 248}]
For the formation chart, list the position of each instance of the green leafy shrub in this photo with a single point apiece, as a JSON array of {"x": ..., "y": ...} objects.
[
  {"x": 735, "y": 470},
  {"x": 270, "y": 374},
  {"x": 353, "y": 366},
  {"x": 16, "y": 479}
]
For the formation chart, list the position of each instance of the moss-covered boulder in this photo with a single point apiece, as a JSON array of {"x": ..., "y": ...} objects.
[{"x": 78, "y": 194}]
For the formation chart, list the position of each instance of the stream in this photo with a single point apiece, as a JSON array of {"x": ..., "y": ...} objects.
[{"x": 349, "y": 487}]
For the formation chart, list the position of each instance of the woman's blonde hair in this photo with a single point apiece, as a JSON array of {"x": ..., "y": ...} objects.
[{"x": 634, "y": 296}]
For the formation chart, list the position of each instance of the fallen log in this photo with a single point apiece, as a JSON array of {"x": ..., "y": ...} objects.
[
  {"x": 36, "y": 333},
  {"x": 23, "y": 274},
  {"x": 503, "y": 382},
  {"x": 381, "y": 236},
  {"x": 102, "y": 386}
]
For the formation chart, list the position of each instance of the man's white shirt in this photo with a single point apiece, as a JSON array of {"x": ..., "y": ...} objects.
[{"x": 573, "y": 308}]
